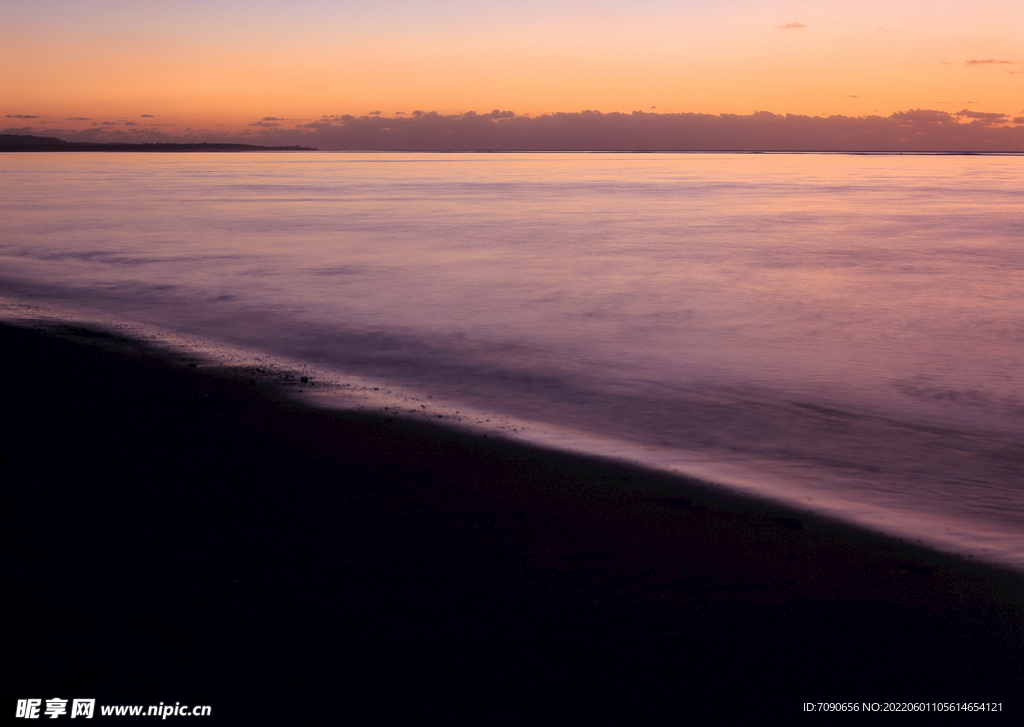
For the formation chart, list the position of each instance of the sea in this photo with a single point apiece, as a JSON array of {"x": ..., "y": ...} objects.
[{"x": 841, "y": 333}]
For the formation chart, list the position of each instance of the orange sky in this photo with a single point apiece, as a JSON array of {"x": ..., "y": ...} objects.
[{"x": 226, "y": 64}]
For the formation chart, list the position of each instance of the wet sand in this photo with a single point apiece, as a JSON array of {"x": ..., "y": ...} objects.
[{"x": 174, "y": 535}]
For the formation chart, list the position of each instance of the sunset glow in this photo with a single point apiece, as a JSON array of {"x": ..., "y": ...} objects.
[{"x": 154, "y": 69}]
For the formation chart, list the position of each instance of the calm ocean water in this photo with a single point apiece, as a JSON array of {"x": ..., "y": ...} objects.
[{"x": 843, "y": 332}]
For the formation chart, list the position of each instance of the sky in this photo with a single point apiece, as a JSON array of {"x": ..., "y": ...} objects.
[{"x": 219, "y": 69}]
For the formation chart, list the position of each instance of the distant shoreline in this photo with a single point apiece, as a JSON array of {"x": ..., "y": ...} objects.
[
  {"x": 20, "y": 143},
  {"x": 27, "y": 143}
]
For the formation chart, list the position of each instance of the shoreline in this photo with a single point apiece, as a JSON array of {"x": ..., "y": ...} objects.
[
  {"x": 811, "y": 493},
  {"x": 19, "y": 143},
  {"x": 179, "y": 535}
]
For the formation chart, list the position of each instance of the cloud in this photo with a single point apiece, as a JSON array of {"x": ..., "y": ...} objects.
[
  {"x": 132, "y": 134},
  {"x": 988, "y": 62},
  {"x": 1018, "y": 119},
  {"x": 922, "y": 117},
  {"x": 792, "y": 26},
  {"x": 912, "y": 130},
  {"x": 21, "y": 116},
  {"x": 269, "y": 122},
  {"x": 147, "y": 116},
  {"x": 905, "y": 131},
  {"x": 982, "y": 117},
  {"x": 78, "y": 118}
]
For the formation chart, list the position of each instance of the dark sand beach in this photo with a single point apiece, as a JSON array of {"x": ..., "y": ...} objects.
[{"x": 174, "y": 535}]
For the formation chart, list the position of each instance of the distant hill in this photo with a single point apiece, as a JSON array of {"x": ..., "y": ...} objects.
[{"x": 21, "y": 142}]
